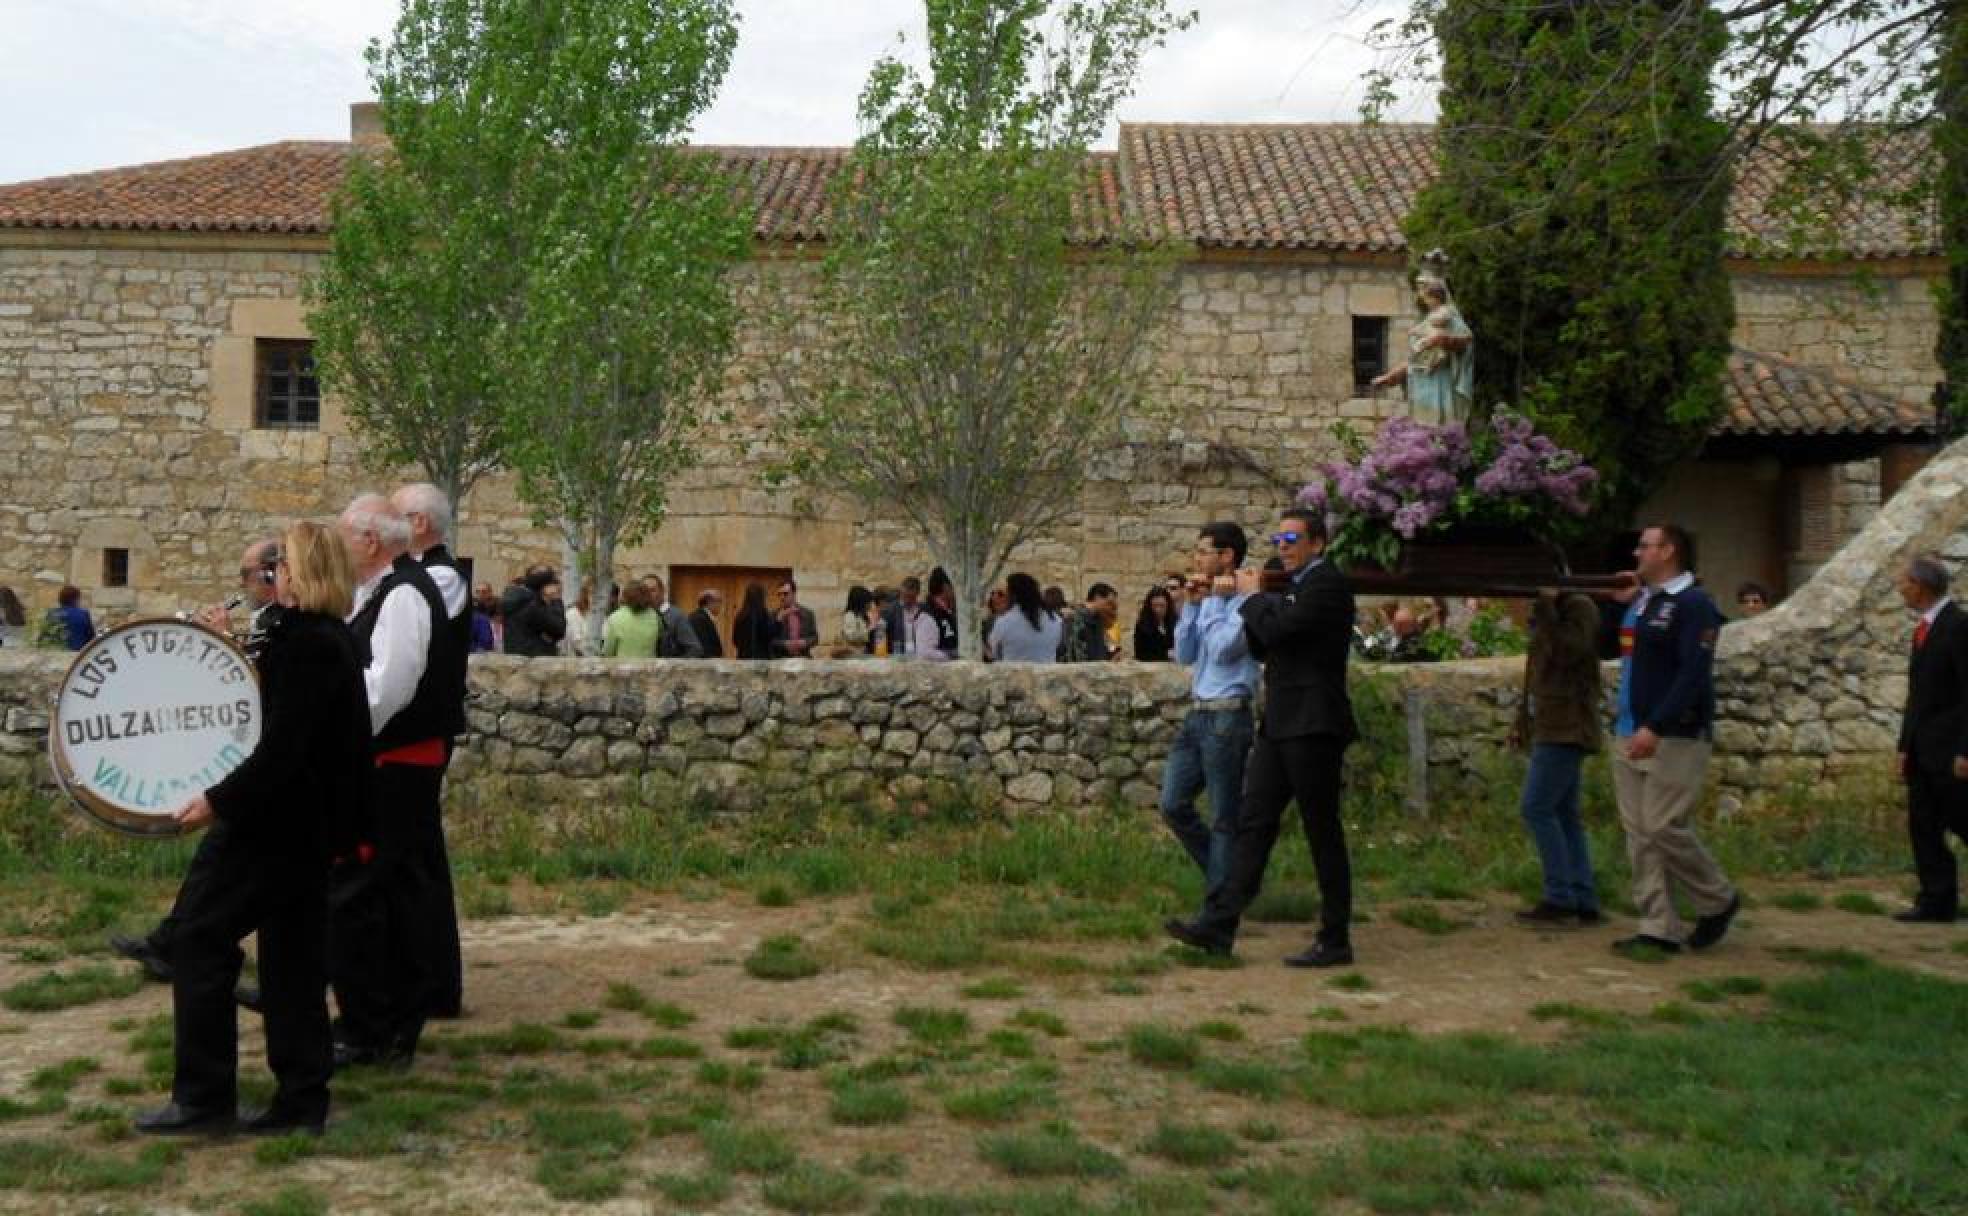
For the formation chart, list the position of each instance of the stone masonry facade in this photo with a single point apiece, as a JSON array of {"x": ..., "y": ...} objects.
[{"x": 126, "y": 383}]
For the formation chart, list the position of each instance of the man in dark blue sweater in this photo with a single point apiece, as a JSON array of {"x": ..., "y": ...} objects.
[{"x": 1665, "y": 735}]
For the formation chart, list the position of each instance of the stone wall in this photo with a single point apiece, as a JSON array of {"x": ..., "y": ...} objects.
[
  {"x": 126, "y": 380},
  {"x": 1809, "y": 694},
  {"x": 738, "y": 736},
  {"x": 1875, "y": 328}
]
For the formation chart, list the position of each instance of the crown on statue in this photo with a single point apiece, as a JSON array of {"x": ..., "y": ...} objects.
[{"x": 1434, "y": 270}]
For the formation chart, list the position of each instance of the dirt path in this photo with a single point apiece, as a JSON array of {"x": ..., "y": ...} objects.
[{"x": 1488, "y": 976}]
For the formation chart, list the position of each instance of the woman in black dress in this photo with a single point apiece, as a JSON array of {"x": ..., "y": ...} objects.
[
  {"x": 278, "y": 822},
  {"x": 753, "y": 630}
]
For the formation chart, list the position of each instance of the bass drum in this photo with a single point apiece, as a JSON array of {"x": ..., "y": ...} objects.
[{"x": 150, "y": 714}]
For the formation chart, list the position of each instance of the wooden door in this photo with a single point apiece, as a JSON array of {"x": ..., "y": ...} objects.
[{"x": 689, "y": 582}]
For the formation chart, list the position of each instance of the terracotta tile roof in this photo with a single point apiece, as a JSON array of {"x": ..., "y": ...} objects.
[
  {"x": 281, "y": 187},
  {"x": 1285, "y": 186},
  {"x": 1347, "y": 186},
  {"x": 788, "y": 185},
  {"x": 1764, "y": 396},
  {"x": 789, "y": 188},
  {"x": 1279, "y": 187},
  {"x": 1887, "y": 217}
]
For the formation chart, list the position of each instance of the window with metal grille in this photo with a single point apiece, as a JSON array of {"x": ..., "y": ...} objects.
[
  {"x": 289, "y": 395},
  {"x": 1369, "y": 352},
  {"x": 116, "y": 568}
]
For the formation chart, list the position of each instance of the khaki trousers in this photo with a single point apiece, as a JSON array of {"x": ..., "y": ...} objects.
[{"x": 1657, "y": 798}]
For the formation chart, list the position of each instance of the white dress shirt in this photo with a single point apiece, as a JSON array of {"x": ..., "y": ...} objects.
[
  {"x": 450, "y": 588},
  {"x": 398, "y": 649}
]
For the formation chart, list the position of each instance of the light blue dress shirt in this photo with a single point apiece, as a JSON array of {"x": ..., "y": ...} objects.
[{"x": 1209, "y": 636}]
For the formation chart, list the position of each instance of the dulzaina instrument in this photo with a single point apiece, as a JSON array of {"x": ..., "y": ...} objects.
[{"x": 148, "y": 715}]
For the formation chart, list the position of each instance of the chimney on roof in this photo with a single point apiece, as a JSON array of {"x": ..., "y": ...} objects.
[{"x": 366, "y": 123}]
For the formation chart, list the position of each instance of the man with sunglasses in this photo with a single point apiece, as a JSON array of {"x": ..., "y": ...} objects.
[{"x": 1302, "y": 634}]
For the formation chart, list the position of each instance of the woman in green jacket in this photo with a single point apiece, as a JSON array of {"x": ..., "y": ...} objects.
[{"x": 631, "y": 631}]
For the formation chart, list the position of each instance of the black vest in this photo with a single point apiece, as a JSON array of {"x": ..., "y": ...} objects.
[
  {"x": 457, "y": 657},
  {"x": 426, "y": 716}
]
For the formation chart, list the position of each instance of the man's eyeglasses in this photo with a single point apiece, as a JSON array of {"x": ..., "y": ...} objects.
[{"x": 1287, "y": 538}]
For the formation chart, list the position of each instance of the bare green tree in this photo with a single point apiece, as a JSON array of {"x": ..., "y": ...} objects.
[{"x": 978, "y": 329}]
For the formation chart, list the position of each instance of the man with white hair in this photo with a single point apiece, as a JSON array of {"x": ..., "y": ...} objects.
[
  {"x": 428, "y": 513},
  {"x": 382, "y": 987}
]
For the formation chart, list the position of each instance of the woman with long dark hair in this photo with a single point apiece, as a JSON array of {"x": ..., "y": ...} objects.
[
  {"x": 857, "y": 627},
  {"x": 1029, "y": 633},
  {"x": 753, "y": 630},
  {"x": 1154, "y": 629}
]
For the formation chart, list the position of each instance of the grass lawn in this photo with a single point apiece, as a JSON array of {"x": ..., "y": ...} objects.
[{"x": 840, "y": 1013}]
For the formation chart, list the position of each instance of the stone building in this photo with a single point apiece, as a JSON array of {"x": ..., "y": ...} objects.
[{"x": 157, "y": 406}]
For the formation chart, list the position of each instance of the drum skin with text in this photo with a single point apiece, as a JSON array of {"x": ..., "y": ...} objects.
[{"x": 148, "y": 715}]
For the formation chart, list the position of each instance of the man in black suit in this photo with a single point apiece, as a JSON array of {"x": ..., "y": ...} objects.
[
  {"x": 703, "y": 622},
  {"x": 1302, "y": 635},
  {"x": 1933, "y": 749}
]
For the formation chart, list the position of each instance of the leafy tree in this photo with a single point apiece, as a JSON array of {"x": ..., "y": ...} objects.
[
  {"x": 1579, "y": 208},
  {"x": 975, "y": 337},
  {"x": 553, "y": 132},
  {"x": 408, "y": 306}
]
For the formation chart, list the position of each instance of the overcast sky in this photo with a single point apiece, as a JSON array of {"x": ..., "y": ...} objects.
[{"x": 94, "y": 84}]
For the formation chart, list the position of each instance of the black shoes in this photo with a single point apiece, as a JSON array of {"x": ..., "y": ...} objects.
[
  {"x": 1919, "y": 915},
  {"x": 1711, "y": 929},
  {"x": 1189, "y": 934},
  {"x": 139, "y": 951},
  {"x": 1646, "y": 948},
  {"x": 1547, "y": 915},
  {"x": 355, "y": 1055},
  {"x": 276, "y": 1122},
  {"x": 174, "y": 1120},
  {"x": 1321, "y": 954}
]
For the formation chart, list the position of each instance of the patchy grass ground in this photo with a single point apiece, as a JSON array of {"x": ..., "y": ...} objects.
[
  {"x": 974, "y": 1017},
  {"x": 1817, "y": 1061}
]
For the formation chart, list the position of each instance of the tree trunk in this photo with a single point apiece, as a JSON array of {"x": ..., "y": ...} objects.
[
  {"x": 452, "y": 483},
  {"x": 572, "y": 568},
  {"x": 1951, "y": 141},
  {"x": 604, "y": 583},
  {"x": 967, "y": 572}
]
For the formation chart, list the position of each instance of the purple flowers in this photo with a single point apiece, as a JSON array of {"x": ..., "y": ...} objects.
[
  {"x": 1528, "y": 464},
  {"x": 1414, "y": 477}
]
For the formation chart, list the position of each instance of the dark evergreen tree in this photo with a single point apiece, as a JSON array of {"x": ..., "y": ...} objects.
[{"x": 1581, "y": 202}]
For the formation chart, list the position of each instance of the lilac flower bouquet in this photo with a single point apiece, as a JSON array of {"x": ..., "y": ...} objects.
[{"x": 1415, "y": 480}]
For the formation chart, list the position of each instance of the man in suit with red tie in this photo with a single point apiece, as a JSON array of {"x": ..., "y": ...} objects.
[{"x": 1933, "y": 748}]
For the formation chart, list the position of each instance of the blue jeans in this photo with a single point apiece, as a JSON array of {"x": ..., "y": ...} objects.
[
  {"x": 1551, "y": 811},
  {"x": 1209, "y": 753}
]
